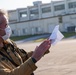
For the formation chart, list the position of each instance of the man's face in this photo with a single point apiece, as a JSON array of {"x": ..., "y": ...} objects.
[{"x": 3, "y": 24}]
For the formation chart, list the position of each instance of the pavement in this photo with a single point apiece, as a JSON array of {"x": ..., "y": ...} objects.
[{"x": 60, "y": 61}]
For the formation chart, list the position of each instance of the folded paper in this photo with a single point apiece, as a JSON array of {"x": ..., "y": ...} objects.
[{"x": 56, "y": 35}]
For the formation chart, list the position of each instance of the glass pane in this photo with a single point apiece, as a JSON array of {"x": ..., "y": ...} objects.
[
  {"x": 46, "y": 9},
  {"x": 59, "y": 7},
  {"x": 23, "y": 14}
]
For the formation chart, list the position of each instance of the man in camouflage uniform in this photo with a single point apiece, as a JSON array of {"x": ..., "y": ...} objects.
[{"x": 15, "y": 61}]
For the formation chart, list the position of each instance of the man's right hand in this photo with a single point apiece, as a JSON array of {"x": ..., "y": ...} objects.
[{"x": 41, "y": 50}]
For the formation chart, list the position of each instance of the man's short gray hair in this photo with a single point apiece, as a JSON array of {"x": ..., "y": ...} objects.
[{"x": 3, "y": 12}]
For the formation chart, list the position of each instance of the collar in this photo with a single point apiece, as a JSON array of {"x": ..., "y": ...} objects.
[{"x": 6, "y": 42}]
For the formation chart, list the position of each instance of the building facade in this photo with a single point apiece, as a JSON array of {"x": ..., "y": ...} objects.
[{"x": 42, "y": 18}]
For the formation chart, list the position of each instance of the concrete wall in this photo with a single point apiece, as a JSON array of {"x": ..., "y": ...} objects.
[{"x": 42, "y": 22}]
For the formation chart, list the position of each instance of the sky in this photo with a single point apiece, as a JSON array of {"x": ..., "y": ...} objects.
[{"x": 14, "y": 4}]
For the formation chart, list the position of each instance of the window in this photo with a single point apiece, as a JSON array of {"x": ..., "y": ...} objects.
[
  {"x": 34, "y": 12},
  {"x": 23, "y": 14},
  {"x": 72, "y": 5},
  {"x": 59, "y": 7},
  {"x": 60, "y": 19},
  {"x": 24, "y": 31},
  {"x": 13, "y": 32},
  {"x": 71, "y": 29},
  {"x": 46, "y": 9},
  {"x": 37, "y": 29}
]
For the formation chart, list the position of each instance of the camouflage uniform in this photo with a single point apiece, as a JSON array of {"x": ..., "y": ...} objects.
[{"x": 15, "y": 61}]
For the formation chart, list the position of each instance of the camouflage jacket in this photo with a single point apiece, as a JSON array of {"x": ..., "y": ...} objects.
[{"x": 15, "y": 61}]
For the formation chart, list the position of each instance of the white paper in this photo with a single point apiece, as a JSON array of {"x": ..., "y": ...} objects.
[{"x": 56, "y": 35}]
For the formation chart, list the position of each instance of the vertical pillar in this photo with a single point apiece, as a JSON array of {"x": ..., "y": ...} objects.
[
  {"x": 18, "y": 16},
  {"x": 40, "y": 12},
  {"x": 28, "y": 13},
  {"x": 52, "y": 8},
  {"x": 66, "y": 6}
]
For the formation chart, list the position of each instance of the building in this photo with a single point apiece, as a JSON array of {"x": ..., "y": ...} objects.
[{"x": 42, "y": 18}]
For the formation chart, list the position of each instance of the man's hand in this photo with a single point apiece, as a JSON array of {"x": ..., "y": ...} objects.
[{"x": 41, "y": 50}]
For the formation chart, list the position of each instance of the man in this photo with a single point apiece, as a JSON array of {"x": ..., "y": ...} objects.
[{"x": 15, "y": 61}]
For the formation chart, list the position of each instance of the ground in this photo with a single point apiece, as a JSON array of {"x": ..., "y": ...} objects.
[{"x": 60, "y": 61}]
